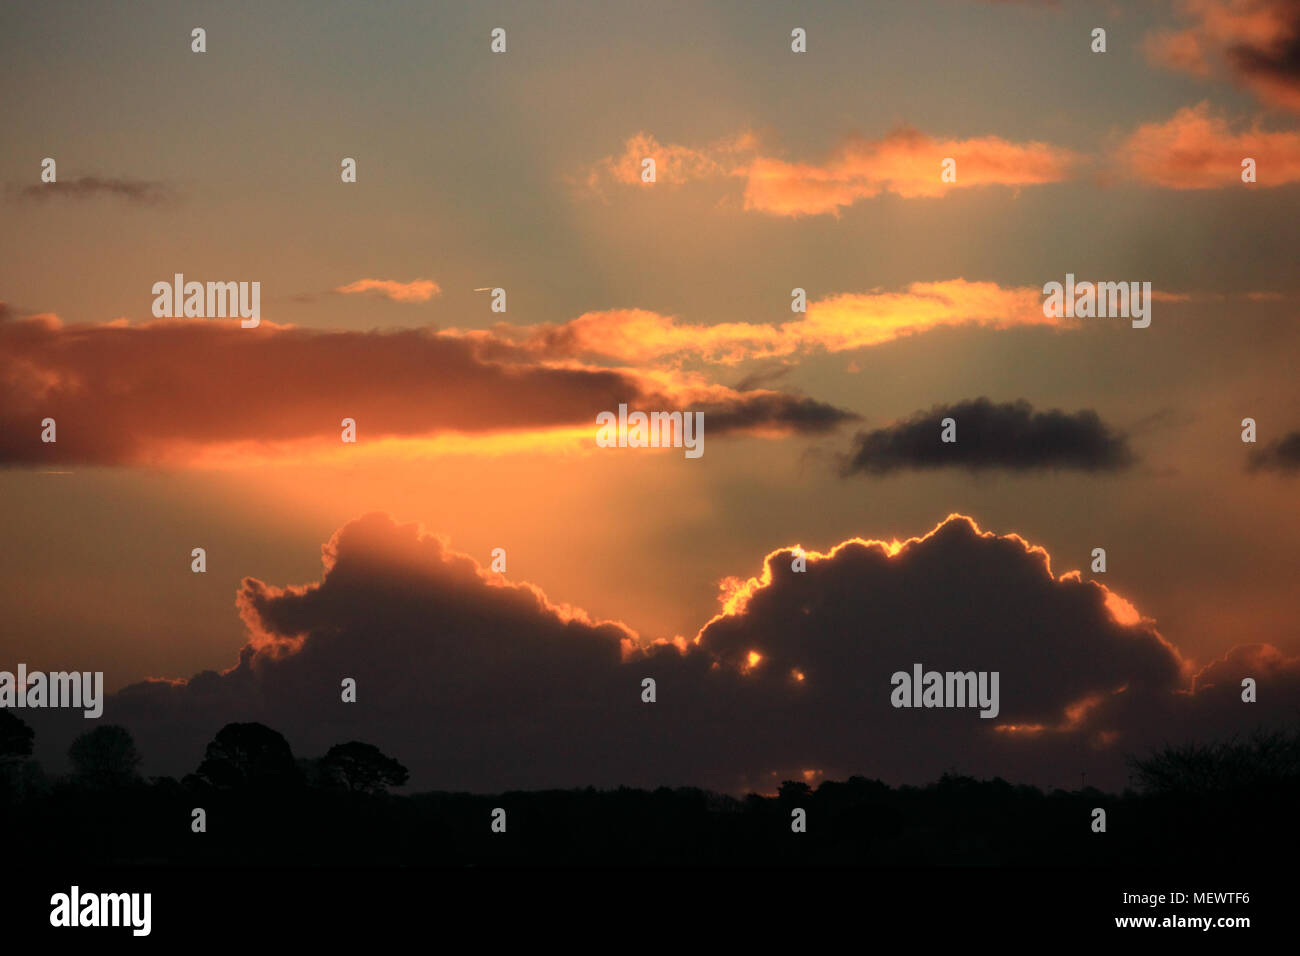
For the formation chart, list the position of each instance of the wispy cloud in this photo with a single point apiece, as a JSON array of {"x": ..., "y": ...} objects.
[
  {"x": 905, "y": 162},
  {"x": 837, "y": 323},
  {"x": 141, "y": 191}
]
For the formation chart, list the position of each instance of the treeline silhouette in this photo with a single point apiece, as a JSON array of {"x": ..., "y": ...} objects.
[{"x": 1198, "y": 803}]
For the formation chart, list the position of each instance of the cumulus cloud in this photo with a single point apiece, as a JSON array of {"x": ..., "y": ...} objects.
[
  {"x": 171, "y": 391},
  {"x": 1196, "y": 149},
  {"x": 1010, "y": 435},
  {"x": 905, "y": 162},
  {"x": 417, "y": 290},
  {"x": 1257, "y": 42},
  {"x": 1282, "y": 455},
  {"x": 955, "y": 599},
  {"x": 478, "y": 683}
]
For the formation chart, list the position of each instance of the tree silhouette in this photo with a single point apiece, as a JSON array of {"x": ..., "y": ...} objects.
[
  {"x": 15, "y": 750},
  {"x": 15, "y": 736},
  {"x": 105, "y": 756},
  {"x": 362, "y": 768},
  {"x": 1264, "y": 760},
  {"x": 794, "y": 791},
  {"x": 248, "y": 755}
]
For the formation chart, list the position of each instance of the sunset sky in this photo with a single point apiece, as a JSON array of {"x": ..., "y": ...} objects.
[{"x": 775, "y": 170}]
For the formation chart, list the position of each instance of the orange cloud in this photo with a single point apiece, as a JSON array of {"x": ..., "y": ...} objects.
[
  {"x": 905, "y": 162},
  {"x": 1178, "y": 51},
  {"x": 850, "y": 321},
  {"x": 1243, "y": 659},
  {"x": 1074, "y": 717},
  {"x": 1197, "y": 150},
  {"x": 418, "y": 290},
  {"x": 674, "y": 164},
  {"x": 1256, "y": 41},
  {"x": 1121, "y": 610},
  {"x": 185, "y": 391},
  {"x": 838, "y": 323}
]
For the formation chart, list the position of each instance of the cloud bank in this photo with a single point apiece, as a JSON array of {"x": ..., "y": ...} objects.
[
  {"x": 169, "y": 391},
  {"x": 478, "y": 683}
]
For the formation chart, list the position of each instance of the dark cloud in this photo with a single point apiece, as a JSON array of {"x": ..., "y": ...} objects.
[
  {"x": 1272, "y": 61},
  {"x": 764, "y": 376},
  {"x": 1257, "y": 40},
  {"x": 160, "y": 391},
  {"x": 1282, "y": 455},
  {"x": 1010, "y": 435},
  {"x": 140, "y": 191},
  {"x": 773, "y": 410},
  {"x": 480, "y": 684}
]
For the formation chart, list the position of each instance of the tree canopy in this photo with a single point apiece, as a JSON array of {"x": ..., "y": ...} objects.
[
  {"x": 105, "y": 756},
  {"x": 362, "y": 768},
  {"x": 248, "y": 755}
]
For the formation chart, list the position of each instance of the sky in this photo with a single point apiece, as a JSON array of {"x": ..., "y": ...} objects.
[{"x": 476, "y": 429}]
